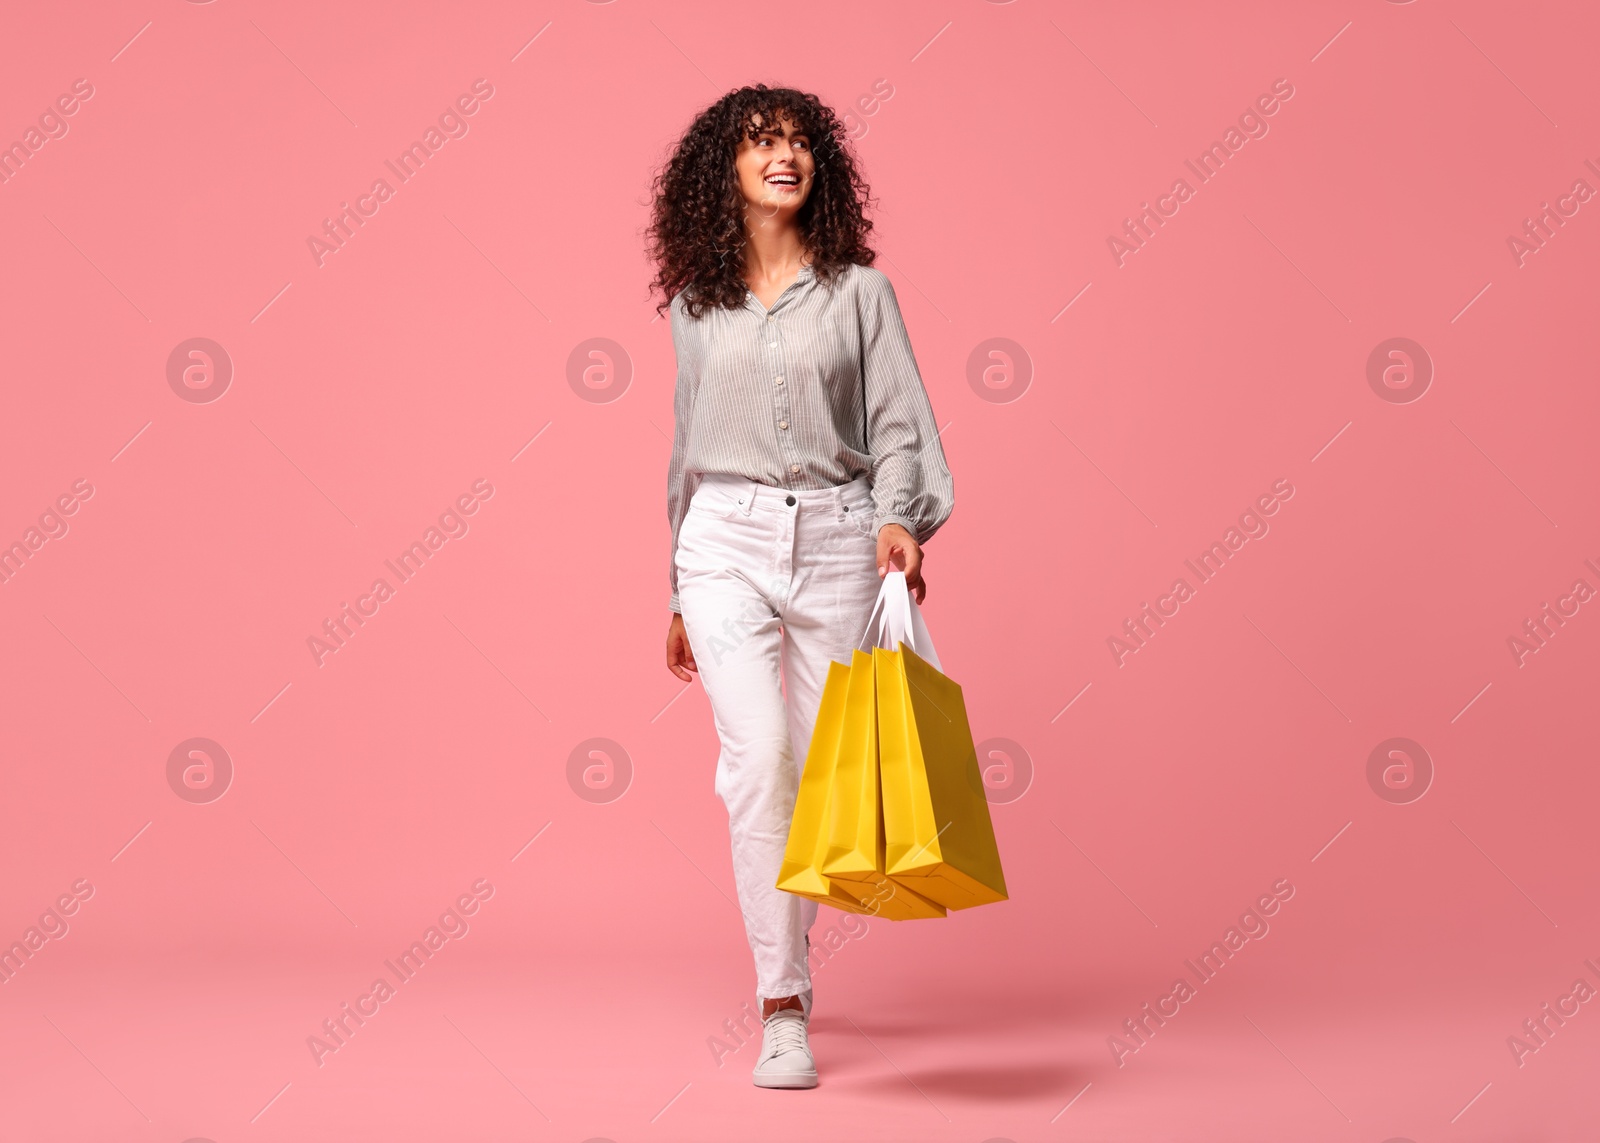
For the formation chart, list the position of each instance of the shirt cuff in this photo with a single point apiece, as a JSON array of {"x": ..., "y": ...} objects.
[
  {"x": 904, "y": 521},
  {"x": 673, "y": 605}
]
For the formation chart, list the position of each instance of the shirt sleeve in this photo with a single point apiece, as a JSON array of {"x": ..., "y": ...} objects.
[
  {"x": 911, "y": 483},
  {"x": 680, "y": 484}
]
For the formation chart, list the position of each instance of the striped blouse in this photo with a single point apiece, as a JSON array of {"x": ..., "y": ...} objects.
[{"x": 812, "y": 393}]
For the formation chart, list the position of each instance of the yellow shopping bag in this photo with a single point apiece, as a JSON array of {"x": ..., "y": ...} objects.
[
  {"x": 855, "y": 852},
  {"x": 809, "y": 829},
  {"x": 939, "y": 839}
]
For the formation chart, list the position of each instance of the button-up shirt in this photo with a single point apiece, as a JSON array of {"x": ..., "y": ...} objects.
[{"x": 809, "y": 394}]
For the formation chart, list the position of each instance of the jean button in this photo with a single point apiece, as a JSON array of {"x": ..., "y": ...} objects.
[{"x": 789, "y": 500}]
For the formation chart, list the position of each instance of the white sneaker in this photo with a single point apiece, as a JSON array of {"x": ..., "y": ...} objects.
[{"x": 786, "y": 1059}]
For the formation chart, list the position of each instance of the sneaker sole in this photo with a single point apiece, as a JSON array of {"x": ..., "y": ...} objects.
[{"x": 791, "y": 1080}]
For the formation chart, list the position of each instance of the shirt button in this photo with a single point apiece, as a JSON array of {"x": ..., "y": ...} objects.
[
  {"x": 794, "y": 468},
  {"x": 769, "y": 317},
  {"x": 779, "y": 380},
  {"x": 783, "y": 424},
  {"x": 772, "y": 345}
]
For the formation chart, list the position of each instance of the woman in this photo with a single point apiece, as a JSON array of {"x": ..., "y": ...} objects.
[{"x": 805, "y": 456}]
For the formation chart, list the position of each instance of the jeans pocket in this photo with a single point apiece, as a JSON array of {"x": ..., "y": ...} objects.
[
  {"x": 716, "y": 501},
  {"x": 858, "y": 515}
]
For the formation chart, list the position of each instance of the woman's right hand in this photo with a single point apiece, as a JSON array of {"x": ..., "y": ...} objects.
[{"x": 679, "y": 654}]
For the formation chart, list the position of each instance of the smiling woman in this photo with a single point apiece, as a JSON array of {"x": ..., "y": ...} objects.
[{"x": 805, "y": 458}]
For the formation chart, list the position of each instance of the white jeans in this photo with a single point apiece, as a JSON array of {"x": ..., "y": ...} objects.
[{"x": 767, "y": 576}]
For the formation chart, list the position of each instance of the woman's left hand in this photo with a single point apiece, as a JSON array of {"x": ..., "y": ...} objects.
[{"x": 897, "y": 548}]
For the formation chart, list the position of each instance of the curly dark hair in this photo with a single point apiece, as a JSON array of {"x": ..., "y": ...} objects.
[{"x": 696, "y": 233}]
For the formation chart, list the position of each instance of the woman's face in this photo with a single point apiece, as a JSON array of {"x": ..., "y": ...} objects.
[{"x": 775, "y": 170}]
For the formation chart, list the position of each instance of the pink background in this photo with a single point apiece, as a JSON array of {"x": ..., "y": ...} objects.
[{"x": 1166, "y": 794}]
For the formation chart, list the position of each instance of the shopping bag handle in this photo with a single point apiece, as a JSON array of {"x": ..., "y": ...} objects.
[{"x": 895, "y": 616}]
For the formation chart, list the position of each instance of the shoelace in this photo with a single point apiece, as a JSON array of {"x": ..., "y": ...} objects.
[{"x": 785, "y": 1033}]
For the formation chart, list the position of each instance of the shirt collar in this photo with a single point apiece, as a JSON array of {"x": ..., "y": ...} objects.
[{"x": 806, "y": 274}]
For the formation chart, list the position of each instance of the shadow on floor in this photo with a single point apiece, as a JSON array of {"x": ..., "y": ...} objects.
[{"x": 985, "y": 1082}]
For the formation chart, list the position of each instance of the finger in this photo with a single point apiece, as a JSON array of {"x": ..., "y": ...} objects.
[{"x": 913, "y": 557}]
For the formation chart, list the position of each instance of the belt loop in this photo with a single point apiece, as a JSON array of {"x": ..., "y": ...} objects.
[
  {"x": 748, "y": 500},
  {"x": 838, "y": 502}
]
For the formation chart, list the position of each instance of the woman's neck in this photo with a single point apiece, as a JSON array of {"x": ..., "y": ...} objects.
[{"x": 772, "y": 253}]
